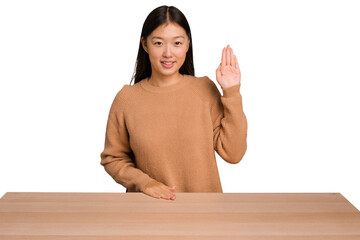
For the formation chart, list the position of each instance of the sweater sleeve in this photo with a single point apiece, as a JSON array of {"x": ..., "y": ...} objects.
[
  {"x": 117, "y": 154},
  {"x": 229, "y": 123}
]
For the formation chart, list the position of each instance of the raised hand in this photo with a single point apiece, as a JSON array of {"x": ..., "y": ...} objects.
[
  {"x": 228, "y": 73},
  {"x": 159, "y": 190}
]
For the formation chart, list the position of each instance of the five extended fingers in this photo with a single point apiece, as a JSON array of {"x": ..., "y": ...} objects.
[{"x": 228, "y": 57}]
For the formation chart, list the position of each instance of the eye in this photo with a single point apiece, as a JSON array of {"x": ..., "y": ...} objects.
[
  {"x": 156, "y": 43},
  {"x": 179, "y": 43}
]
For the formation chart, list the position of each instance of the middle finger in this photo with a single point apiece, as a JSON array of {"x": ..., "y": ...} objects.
[{"x": 228, "y": 56}]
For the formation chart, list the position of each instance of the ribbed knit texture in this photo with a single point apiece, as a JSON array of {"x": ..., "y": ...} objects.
[{"x": 169, "y": 134}]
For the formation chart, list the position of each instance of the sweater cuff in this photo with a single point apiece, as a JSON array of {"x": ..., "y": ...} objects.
[
  {"x": 232, "y": 91},
  {"x": 144, "y": 181}
]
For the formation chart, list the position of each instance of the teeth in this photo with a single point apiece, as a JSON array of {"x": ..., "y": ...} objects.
[{"x": 168, "y": 62}]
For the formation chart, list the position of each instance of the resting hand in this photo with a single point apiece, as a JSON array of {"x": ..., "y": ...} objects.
[{"x": 159, "y": 190}]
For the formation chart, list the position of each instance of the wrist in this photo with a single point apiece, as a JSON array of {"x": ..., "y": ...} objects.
[{"x": 232, "y": 90}]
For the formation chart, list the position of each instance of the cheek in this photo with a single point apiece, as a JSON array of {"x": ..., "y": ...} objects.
[
  {"x": 154, "y": 56},
  {"x": 180, "y": 53}
]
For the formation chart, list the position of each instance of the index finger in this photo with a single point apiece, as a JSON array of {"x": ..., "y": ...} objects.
[{"x": 223, "y": 57}]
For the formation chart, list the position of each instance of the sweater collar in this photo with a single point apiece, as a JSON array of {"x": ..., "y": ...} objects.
[{"x": 147, "y": 86}]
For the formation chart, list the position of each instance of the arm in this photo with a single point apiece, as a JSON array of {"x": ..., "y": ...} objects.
[
  {"x": 116, "y": 156},
  {"x": 229, "y": 121},
  {"x": 229, "y": 124}
]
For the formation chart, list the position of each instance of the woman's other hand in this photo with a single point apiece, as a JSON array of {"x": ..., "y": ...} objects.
[
  {"x": 228, "y": 73},
  {"x": 159, "y": 190}
]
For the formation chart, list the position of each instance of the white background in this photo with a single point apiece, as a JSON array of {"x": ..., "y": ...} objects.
[{"x": 62, "y": 62}]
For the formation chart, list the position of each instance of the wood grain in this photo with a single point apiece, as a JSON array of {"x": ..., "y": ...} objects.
[{"x": 45, "y": 215}]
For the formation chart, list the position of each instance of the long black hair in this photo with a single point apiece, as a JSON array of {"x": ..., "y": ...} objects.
[{"x": 162, "y": 15}]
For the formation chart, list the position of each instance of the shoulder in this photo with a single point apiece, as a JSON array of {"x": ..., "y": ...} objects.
[
  {"x": 204, "y": 87},
  {"x": 212, "y": 87},
  {"x": 122, "y": 97}
]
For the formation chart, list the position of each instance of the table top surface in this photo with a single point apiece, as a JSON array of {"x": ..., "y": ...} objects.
[{"x": 265, "y": 216}]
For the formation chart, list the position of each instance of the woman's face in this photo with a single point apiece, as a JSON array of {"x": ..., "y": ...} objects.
[{"x": 166, "y": 44}]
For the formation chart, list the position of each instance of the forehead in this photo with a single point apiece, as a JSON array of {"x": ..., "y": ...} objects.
[{"x": 168, "y": 31}]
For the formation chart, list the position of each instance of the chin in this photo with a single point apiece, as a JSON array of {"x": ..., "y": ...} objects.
[{"x": 169, "y": 72}]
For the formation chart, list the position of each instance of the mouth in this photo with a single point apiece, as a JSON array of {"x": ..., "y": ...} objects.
[{"x": 167, "y": 64}]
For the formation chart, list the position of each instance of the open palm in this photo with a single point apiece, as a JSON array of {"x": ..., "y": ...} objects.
[{"x": 228, "y": 73}]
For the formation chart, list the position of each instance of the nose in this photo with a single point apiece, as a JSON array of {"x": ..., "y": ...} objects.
[{"x": 167, "y": 51}]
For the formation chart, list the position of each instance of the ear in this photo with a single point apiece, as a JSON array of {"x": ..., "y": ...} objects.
[{"x": 143, "y": 43}]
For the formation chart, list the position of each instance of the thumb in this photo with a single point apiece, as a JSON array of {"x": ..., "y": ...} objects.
[
  {"x": 218, "y": 68},
  {"x": 218, "y": 72}
]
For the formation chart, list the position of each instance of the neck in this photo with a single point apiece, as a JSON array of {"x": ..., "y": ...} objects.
[{"x": 163, "y": 81}]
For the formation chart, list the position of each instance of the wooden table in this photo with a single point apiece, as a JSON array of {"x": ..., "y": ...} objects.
[{"x": 40, "y": 216}]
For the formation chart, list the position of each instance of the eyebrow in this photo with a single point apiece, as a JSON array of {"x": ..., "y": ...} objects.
[{"x": 173, "y": 37}]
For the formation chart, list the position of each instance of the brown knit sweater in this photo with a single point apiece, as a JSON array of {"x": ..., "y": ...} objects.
[{"x": 169, "y": 134}]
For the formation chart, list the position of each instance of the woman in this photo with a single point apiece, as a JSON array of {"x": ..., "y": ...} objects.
[{"x": 162, "y": 131}]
